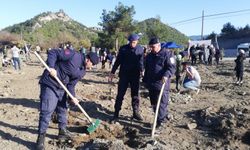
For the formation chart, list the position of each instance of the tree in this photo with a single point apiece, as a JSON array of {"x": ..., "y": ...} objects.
[
  {"x": 153, "y": 27},
  {"x": 117, "y": 25},
  {"x": 228, "y": 30},
  {"x": 211, "y": 36}
]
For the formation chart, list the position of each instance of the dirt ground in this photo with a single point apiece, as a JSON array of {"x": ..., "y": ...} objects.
[{"x": 217, "y": 118}]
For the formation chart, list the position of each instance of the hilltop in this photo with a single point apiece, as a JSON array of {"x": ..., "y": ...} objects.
[
  {"x": 154, "y": 27},
  {"x": 50, "y": 28}
]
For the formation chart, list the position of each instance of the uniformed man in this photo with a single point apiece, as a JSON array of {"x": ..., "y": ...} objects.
[
  {"x": 130, "y": 60},
  {"x": 69, "y": 66},
  {"x": 159, "y": 68}
]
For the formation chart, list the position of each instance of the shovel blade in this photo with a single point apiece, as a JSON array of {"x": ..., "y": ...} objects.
[{"x": 93, "y": 126}]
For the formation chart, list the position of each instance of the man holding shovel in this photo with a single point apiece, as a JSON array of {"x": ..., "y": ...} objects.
[
  {"x": 159, "y": 68},
  {"x": 69, "y": 66}
]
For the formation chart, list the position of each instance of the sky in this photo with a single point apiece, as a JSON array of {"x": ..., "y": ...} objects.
[{"x": 89, "y": 12}]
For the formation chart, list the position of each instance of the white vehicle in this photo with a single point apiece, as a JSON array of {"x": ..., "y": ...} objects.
[{"x": 245, "y": 47}]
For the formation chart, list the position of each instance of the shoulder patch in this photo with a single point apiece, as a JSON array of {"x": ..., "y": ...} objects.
[{"x": 172, "y": 60}]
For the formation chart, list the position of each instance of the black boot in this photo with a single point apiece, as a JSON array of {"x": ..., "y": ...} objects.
[
  {"x": 64, "y": 135},
  {"x": 40, "y": 142},
  {"x": 137, "y": 116},
  {"x": 115, "y": 117}
]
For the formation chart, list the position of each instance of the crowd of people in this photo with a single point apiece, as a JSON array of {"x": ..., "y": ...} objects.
[
  {"x": 155, "y": 64},
  {"x": 205, "y": 54}
]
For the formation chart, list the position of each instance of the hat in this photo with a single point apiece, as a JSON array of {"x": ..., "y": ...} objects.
[
  {"x": 171, "y": 45},
  {"x": 242, "y": 51},
  {"x": 153, "y": 41},
  {"x": 133, "y": 37},
  {"x": 93, "y": 58}
]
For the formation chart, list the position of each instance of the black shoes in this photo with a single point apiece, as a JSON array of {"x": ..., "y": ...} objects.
[
  {"x": 137, "y": 116},
  {"x": 40, "y": 142},
  {"x": 64, "y": 135}
]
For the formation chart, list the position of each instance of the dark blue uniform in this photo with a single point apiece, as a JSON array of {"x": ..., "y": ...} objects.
[
  {"x": 130, "y": 61},
  {"x": 158, "y": 66},
  {"x": 70, "y": 67},
  {"x": 239, "y": 68}
]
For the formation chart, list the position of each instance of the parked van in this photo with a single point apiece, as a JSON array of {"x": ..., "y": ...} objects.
[{"x": 245, "y": 47}]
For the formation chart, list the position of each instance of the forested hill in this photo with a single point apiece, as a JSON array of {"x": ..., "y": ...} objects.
[
  {"x": 154, "y": 27},
  {"x": 48, "y": 29}
]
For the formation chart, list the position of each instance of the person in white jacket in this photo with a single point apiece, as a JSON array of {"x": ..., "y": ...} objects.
[
  {"x": 15, "y": 56},
  {"x": 192, "y": 79}
]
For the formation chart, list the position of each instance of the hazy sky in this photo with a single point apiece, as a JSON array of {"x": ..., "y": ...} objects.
[{"x": 88, "y": 12}]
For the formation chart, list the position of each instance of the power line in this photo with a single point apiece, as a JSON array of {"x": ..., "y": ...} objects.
[
  {"x": 212, "y": 18},
  {"x": 206, "y": 16}
]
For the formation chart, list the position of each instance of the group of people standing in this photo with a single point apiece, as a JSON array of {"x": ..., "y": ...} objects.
[
  {"x": 155, "y": 69},
  {"x": 205, "y": 53}
]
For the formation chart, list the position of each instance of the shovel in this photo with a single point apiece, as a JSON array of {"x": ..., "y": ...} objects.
[
  {"x": 93, "y": 125},
  {"x": 157, "y": 110}
]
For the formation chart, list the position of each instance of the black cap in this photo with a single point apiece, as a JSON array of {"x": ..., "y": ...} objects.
[
  {"x": 93, "y": 58},
  {"x": 153, "y": 41}
]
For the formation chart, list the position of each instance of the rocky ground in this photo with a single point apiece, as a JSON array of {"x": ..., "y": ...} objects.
[{"x": 217, "y": 118}]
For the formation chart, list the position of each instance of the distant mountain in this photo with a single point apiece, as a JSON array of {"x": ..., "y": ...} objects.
[
  {"x": 154, "y": 27},
  {"x": 197, "y": 37},
  {"x": 48, "y": 29}
]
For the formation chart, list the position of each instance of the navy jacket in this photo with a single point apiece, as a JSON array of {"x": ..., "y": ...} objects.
[
  {"x": 157, "y": 66},
  {"x": 239, "y": 61},
  {"x": 130, "y": 61},
  {"x": 70, "y": 67}
]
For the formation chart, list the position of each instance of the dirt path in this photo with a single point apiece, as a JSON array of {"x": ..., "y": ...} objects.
[{"x": 218, "y": 118}]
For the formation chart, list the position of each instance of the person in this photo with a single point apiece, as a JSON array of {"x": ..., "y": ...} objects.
[
  {"x": 15, "y": 56},
  {"x": 239, "y": 66},
  {"x": 113, "y": 60},
  {"x": 217, "y": 56},
  {"x": 178, "y": 59},
  {"x": 69, "y": 66},
  {"x": 192, "y": 79},
  {"x": 6, "y": 62},
  {"x": 206, "y": 54},
  {"x": 211, "y": 54},
  {"x": 83, "y": 50},
  {"x": 159, "y": 68},
  {"x": 38, "y": 49},
  {"x": 193, "y": 54},
  {"x": 1, "y": 57},
  {"x": 130, "y": 60},
  {"x": 94, "y": 61},
  {"x": 104, "y": 59},
  {"x": 27, "y": 52}
]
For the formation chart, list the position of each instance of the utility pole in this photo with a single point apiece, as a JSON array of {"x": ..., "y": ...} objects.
[{"x": 202, "y": 24}]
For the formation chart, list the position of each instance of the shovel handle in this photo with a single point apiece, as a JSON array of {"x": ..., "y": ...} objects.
[
  {"x": 63, "y": 86},
  {"x": 157, "y": 109}
]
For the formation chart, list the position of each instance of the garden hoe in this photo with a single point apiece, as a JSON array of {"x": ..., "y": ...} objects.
[{"x": 93, "y": 125}]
